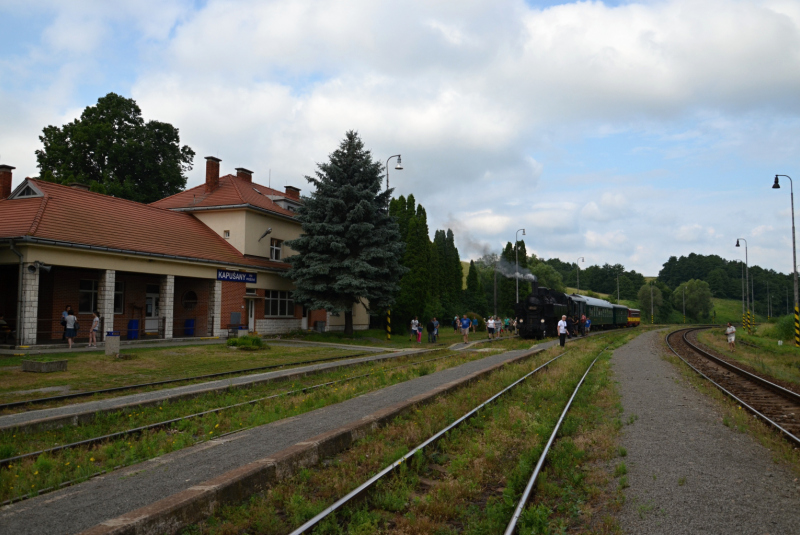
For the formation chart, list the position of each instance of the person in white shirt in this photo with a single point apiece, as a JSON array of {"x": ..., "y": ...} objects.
[
  {"x": 490, "y": 327},
  {"x": 562, "y": 331},
  {"x": 731, "y": 332}
]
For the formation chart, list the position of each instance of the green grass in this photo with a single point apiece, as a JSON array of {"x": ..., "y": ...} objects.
[
  {"x": 49, "y": 470},
  {"x": 92, "y": 371},
  {"x": 468, "y": 482},
  {"x": 377, "y": 337}
]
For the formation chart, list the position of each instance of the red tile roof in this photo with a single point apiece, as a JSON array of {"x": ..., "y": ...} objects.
[
  {"x": 232, "y": 191},
  {"x": 81, "y": 217}
]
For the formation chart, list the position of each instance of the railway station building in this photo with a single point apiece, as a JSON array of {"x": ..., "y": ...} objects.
[{"x": 202, "y": 263}]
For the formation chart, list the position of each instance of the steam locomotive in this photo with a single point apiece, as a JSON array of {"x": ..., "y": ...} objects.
[{"x": 539, "y": 313}]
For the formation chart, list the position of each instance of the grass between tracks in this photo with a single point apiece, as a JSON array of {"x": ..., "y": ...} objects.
[
  {"x": 735, "y": 417},
  {"x": 30, "y": 476},
  {"x": 470, "y": 481},
  {"x": 780, "y": 362},
  {"x": 92, "y": 371}
]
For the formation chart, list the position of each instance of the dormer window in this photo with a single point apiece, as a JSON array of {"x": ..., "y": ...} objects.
[
  {"x": 275, "y": 247},
  {"x": 26, "y": 190}
]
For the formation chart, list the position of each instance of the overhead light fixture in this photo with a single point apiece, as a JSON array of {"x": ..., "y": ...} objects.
[
  {"x": 776, "y": 185},
  {"x": 399, "y": 165}
]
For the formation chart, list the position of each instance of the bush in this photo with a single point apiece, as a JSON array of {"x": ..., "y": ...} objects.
[
  {"x": 783, "y": 329},
  {"x": 481, "y": 322},
  {"x": 249, "y": 342}
]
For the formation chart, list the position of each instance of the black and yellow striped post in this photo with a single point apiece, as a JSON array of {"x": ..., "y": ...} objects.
[
  {"x": 749, "y": 323},
  {"x": 744, "y": 323},
  {"x": 389, "y": 324},
  {"x": 796, "y": 326}
]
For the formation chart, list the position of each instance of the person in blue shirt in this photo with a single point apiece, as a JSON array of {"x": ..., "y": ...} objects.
[
  {"x": 475, "y": 325},
  {"x": 588, "y": 325},
  {"x": 465, "y": 324}
]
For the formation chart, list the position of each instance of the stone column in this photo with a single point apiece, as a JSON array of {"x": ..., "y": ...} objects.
[
  {"x": 215, "y": 309},
  {"x": 29, "y": 308},
  {"x": 167, "y": 304},
  {"x": 105, "y": 301}
]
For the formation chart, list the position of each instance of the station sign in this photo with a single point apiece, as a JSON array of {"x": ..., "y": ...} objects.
[{"x": 236, "y": 276}]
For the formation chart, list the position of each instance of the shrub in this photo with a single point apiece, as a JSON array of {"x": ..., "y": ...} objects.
[
  {"x": 782, "y": 329},
  {"x": 249, "y": 342}
]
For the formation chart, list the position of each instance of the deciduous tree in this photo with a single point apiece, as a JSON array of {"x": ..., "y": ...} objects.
[{"x": 113, "y": 150}]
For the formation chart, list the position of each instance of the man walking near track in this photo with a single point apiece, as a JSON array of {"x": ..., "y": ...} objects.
[
  {"x": 562, "y": 331},
  {"x": 465, "y": 325},
  {"x": 731, "y": 332}
]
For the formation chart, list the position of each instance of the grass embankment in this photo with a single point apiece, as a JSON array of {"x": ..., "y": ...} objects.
[
  {"x": 49, "y": 470},
  {"x": 377, "y": 337},
  {"x": 735, "y": 417},
  {"x": 470, "y": 481},
  {"x": 760, "y": 353},
  {"x": 92, "y": 371}
]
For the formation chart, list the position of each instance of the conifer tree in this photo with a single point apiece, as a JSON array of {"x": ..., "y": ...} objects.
[{"x": 350, "y": 249}]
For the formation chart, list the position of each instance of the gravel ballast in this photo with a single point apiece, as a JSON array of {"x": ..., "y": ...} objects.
[{"x": 689, "y": 473}]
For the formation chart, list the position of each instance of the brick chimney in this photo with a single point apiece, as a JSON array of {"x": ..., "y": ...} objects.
[
  {"x": 246, "y": 174},
  {"x": 293, "y": 192},
  {"x": 212, "y": 173},
  {"x": 5, "y": 181}
]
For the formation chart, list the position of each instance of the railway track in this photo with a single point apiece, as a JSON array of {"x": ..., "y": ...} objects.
[
  {"x": 374, "y": 481},
  {"x": 75, "y": 395},
  {"x": 772, "y": 403},
  {"x": 169, "y": 423}
]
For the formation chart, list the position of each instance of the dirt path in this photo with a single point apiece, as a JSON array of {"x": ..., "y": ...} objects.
[{"x": 689, "y": 473}]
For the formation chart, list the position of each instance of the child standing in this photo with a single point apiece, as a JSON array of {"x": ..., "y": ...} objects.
[{"x": 93, "y": 331}]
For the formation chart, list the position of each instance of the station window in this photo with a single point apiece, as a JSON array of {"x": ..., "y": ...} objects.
[
  {"x": 278, "y": 303},
  {"x": 119, "y": 297},
  {"x": 87, "y": 298},
  {"x": 275, "y": 249},
  {"x": 189, "y": 300}
]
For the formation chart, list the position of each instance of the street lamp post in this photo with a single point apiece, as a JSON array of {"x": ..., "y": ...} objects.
[
  {"x": 777, "y": 185},
  {"x": 399, "y": 167},
  {"x": 747, "y": 281},
  {"x": 744, "y": 325},
  {"x": 580, "y": 259},
  {"x": 516, "y": 257}
]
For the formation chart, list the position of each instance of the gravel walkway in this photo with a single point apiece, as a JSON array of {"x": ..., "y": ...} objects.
[
  {"x": 688, "y": 473},
  {"x": 77, "y": 508}
]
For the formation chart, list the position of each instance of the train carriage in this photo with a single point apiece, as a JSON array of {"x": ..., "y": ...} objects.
[
  {"x": 634, "y": 317},
  {"x": 620, "y": 315},
  {"x": 600, "y": 312}
]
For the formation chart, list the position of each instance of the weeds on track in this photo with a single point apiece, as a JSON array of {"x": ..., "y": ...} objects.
[
  {"x": 470, "y": 481},
  {"x": 780, "y": 362},
  {"x": 30, "y": 476}
]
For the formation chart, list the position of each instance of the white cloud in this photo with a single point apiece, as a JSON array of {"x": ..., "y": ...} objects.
[{"x": 490, "y": 104}]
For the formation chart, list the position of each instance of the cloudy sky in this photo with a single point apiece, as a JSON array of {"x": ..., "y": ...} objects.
[{"x": 617, "y": 131}]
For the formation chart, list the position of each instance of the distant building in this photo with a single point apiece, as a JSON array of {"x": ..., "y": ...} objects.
[{"x": 199, "y": 263}]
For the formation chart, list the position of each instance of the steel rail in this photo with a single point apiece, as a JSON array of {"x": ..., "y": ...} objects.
[
  {"x": 167, "y": 423},
  {"x": 778, "y": 389},
  {"x": 523, "y": 501},
  {"x": 729, "y": 393},
  {"x": 374, "y": 479},
  {"x": 38, "y": 401}
]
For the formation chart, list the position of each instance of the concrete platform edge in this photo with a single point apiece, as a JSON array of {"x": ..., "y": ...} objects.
[
  {"x": 200, "y": 501},
  {"x": 55, "y": 422}
]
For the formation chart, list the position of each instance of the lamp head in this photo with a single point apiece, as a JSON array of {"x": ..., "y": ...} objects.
[
  {"x": 399, "y": 165},
  {"x": 523, "y": 232},
  {"x": 737, "y": 243},
  {"x": 776, "y": 185}
]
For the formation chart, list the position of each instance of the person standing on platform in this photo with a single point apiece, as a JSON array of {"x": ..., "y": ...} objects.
[
  {"x": 93, "y": 329},
  {"x": 465, "y": 325},
  {"x": 588, "y": 324},
  {"x": 70, "y": 327},
  {"x": 414, "y": 328},
  {"x": 455, "y": 324},
  {"x": 474, "y": 325},
  {"x": 435, "y": 329},
  {"x": 562, "y": 331}
]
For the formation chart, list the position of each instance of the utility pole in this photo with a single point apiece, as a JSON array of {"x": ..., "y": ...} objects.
[
  {"x": 684, "y": 304},
  {"x": 617, "y": 288},
  {"x": 495, "y": 287},
  {"x": 651, "y": 302}
]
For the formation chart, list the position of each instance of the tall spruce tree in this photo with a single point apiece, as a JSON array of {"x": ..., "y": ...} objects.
[{"x": 350, "y": 249}]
